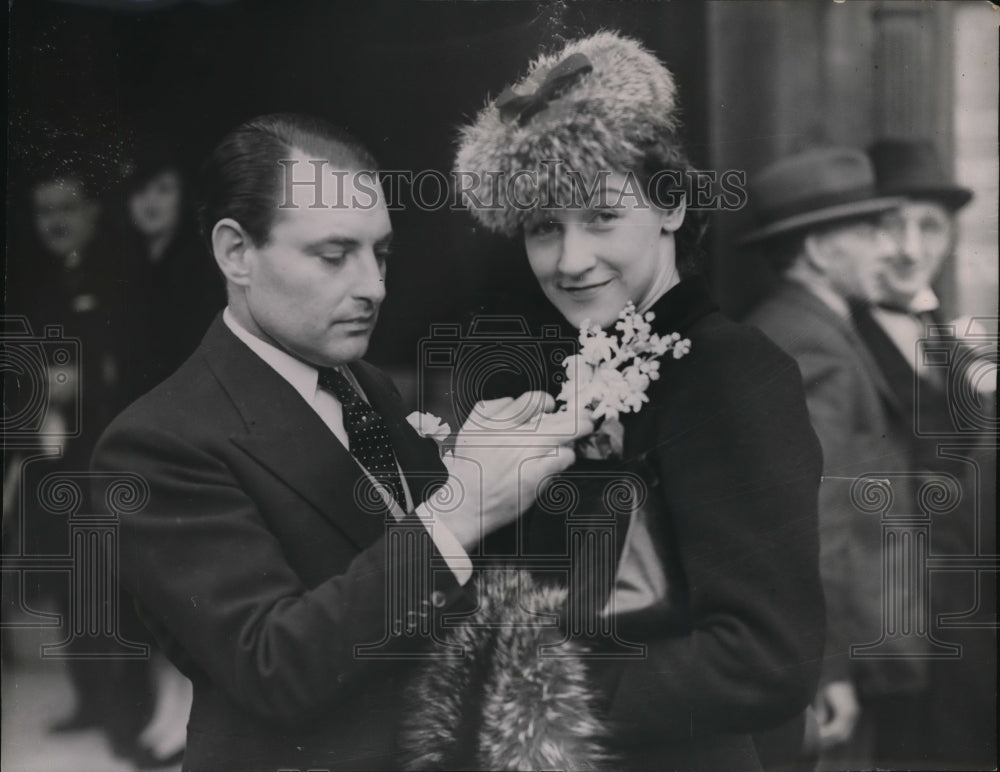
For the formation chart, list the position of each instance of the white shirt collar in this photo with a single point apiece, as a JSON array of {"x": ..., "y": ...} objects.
[
  {"x": 925, "y": 300},
  {"x": 301, "y": 376}
]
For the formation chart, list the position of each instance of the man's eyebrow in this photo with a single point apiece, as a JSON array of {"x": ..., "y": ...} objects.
[
  {"x": 332, "y": 241},
  {"x": 345, "y": 241}
]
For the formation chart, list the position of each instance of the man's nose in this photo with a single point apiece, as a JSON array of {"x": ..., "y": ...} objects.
[
  {"x": 892, "y": 243},
  {"x": 576, "y": 255},
  {"x": 370, "y": 279},
  {"x": 912, "y": 244}
]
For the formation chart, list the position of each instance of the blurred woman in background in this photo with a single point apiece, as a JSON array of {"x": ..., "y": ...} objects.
[{"x": 175, "y": 289}]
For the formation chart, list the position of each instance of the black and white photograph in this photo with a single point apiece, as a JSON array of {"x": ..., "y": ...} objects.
[{"x": 500, "y": 385}]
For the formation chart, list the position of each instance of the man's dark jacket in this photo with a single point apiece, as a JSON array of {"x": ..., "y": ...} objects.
[{"x": 260, "y": 563}]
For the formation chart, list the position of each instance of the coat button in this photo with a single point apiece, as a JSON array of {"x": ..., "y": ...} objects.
[{"x": 438, "y": 599}]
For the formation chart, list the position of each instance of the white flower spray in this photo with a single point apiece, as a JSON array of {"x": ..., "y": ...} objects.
[
  {"x": 608, "y": 377},
  {"x": 611, "y": 374}
]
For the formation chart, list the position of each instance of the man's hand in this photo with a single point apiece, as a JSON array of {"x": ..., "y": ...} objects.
[
  {"x": 503, "y": 453},
  {"x": 838, "y": 711}
]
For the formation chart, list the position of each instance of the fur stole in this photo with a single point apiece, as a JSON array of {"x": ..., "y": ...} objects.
[{"x": 504, "y": 704}]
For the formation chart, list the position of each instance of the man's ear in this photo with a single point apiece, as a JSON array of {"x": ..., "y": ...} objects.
[
  {"x": 672, "y": 219},
  {"x": 230, "y": 245},
  {"x": 814, "y": 249}
]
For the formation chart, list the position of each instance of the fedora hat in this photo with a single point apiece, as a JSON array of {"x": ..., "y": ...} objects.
[
  {"x": 912, "y": 168},
  {"x": 815, "y": 187}
]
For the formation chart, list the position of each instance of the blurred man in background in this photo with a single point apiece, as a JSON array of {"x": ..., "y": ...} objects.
[
  {"x": 70, "y": 281},
  {"x": 957, "y": 715},
  {"x": 74, "y": 278},
  {"x": 820, "y": 227}
]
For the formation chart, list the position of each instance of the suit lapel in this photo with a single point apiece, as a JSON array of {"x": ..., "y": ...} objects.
[
  {"x": 285, "y": 435},
  {"x": 892, "y": 363},
  {"x": 844, "y": 327}
]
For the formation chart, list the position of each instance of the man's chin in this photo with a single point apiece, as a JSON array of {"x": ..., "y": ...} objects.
[
  {"x": 902, "y": 294},
  {"x": 344, "y": 352},
  {"x": 59, "y": 248}
]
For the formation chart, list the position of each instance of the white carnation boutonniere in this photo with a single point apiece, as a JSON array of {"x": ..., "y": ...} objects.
[
  {"x": 429, "y": 426},
  {"x": 611, "y": 373}
]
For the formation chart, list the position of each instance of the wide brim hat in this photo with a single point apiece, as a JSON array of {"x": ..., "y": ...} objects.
[
  {"x": 820, "y": 186},
  {"x": 913, "y": 168},
  {"x": 594, "y": 107}
]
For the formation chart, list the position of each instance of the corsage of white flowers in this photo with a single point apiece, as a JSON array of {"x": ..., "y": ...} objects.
[
  {"x": 611, "y": 374},
  {"x": 608, "y": 377}
]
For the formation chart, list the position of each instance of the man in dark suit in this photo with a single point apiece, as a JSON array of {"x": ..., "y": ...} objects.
[
  {"x": 281, "y": 470},
  {"x": 71, "y": 278},
  {"x": 909, "y": 340},
  {"x": 820, "y": 226}
]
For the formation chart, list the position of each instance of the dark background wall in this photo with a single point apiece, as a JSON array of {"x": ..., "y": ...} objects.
[
  {"x": 785, "y": 75},
  {"x": 401, "y": 76},
  {"x": 757, "y": 80}
]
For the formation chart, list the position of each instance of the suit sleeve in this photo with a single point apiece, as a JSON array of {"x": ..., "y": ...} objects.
[
  {"x": 739, "y": 467},
  {"x": 830, "y": 384},
  {"x": 202, "y": 563}
]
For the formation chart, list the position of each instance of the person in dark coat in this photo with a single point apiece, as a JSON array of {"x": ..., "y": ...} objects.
[
  {"x": 821, "y": 224},
  {"x": 71, "y": 275},
  {"x": 289, "y": 560},
  {"x": 75, "y": 280},
  {"x": 582, "y": 161},
  {"x": 957, "y": 713},
  {"x": 175, "y": 288}
]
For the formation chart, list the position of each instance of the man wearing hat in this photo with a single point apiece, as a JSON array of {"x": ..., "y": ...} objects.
[
  {"x": 924, "y": 229},
  {"x": 957, "y": 714},
  {"x": 820, "y": 226},
  {"x": 924, "y": 225}
]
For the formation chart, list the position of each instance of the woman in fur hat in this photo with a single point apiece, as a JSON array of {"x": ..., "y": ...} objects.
[{"x": 716, "y": 579}]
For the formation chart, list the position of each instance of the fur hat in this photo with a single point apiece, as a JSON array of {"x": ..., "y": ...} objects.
[{"x": 598, "y": 105}]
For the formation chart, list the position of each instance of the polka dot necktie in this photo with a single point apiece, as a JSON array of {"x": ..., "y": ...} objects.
[{"x": 366, "y": 432}]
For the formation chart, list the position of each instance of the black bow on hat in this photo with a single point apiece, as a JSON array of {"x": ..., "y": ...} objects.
[{"x": 523, "y": 107}]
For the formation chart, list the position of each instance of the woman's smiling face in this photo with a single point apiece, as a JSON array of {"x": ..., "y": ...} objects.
[{"x": 591, "y": 261}]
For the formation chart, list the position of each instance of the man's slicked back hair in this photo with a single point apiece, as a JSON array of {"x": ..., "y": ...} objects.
[{"x": 242, "y": 178}]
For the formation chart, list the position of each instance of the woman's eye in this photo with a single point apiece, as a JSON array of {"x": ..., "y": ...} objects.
[
  {"x": 332, "y": 257},
  {"x": 605, "y": 216},
  {"x": 543, "y": 228}
]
